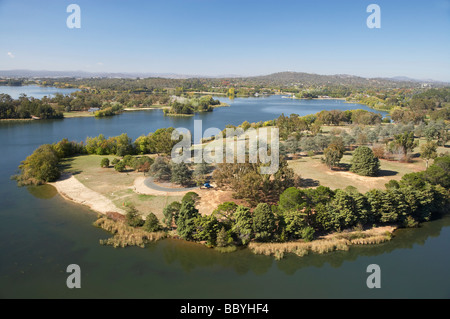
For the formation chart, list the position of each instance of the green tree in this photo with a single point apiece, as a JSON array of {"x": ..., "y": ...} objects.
[
  {"x": 263, "y": 222},
  {"x": 428, "y": 151},
  {"x": 225, "y": 212},
  {"x": 294, "y": 222},
  {"x": 160, "y": 169},
  {"x": 181, "y": 174},
  {"x": 40, "y": 167},
  {"x": 334, "y": 153},
  {"x": 405, "y": 142},
  {"x": 223, "y": 238},
  {"x": 185, "y": 220},
  {"x": 151, "y": 223},
  {"x": 292, "y": 199},
  {"x": 133, "y": 218},
  {"x": 191, "y": 197},
  {"x": 200, "y": 173},
  {"x": 439, "y": 172},
  {"x": 242, "y": 226},
  {"x": 161, "y": 141},
  {"x": 170, "y": 213},
  {"x": 207, "y": 228},
  {"x": 348, "y": 209},
  {"x": 364, "y": 162}
]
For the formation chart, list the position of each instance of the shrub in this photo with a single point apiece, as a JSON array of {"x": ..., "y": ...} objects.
[
  {"x": 133, "y": 218},
  {"x": 128, "y": 160},
  {"x": 104, "y": 162},
  {"x": 120, "y": 166},
  {"x": 378, "y": 151}
]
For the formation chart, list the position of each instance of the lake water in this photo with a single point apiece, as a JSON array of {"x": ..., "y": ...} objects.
[
  {"x": 35, "y": 91},
  {"x": 41, "y": 234}
]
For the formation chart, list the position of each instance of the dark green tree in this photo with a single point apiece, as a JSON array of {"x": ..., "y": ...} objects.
[
  {"x": 263, "y": 222},
  {"x": 364, "y": 162},
  {"x": 185, "y": 220},
  {"x": 181, "y": 174},
  {"x": 160, "y": 169},
  {"x": 242, "y": 226},
  {"x": 207, "y": 228},
  {"x": 133, "y": 218},
  {"x": 170, "y": 213},
  {"x": 151, "y": 223}
]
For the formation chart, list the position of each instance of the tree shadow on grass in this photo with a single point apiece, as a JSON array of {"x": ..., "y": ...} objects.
[
  {"x": 386, "y": 172},
  {"x": 65, "y": 167},
  {"x": 342, "y": 167},
  {"x": 309, "y": 182}
]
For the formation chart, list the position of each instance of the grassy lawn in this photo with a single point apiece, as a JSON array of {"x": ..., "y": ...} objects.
[
  {"x": 314, "y": 172},
  {"x": 78, "y": 114},
  {"x": 114, "y": 185}
]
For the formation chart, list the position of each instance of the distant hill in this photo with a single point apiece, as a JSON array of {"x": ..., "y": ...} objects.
[
  {"x": 307, "y": 79},
  {"x": 83, "y": 74},
  {"x": 281, "y": 79}
]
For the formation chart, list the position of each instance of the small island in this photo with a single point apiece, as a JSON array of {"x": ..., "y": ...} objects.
[{"x": 188, "y": 106}]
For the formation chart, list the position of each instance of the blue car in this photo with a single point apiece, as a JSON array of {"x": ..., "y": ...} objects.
[{"x": 207, "y": 185}]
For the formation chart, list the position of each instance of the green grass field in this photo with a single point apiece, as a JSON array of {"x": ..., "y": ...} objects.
[
  {"x": 314, "y": 172},
  {"x": 114, "y": 185}
]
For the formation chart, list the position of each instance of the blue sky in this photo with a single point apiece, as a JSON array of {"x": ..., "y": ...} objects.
[{"x": 246, "y": 37}]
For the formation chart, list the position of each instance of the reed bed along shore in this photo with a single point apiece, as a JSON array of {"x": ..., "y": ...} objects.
[
  {"x": 323, "y": 245},
  {"x": 125, "y": 235}
]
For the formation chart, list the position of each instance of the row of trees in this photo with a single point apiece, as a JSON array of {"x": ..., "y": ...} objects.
[
  {"x": 25, "y": 108},
  {"x": 312, "y": 123},
  {"x": 35, "y": 169},
  {"x": 158, "y": 142},
  {"x": 302, "y": 213}
]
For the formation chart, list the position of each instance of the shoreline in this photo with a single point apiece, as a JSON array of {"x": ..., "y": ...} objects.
[{"x": 72, "y": 189}]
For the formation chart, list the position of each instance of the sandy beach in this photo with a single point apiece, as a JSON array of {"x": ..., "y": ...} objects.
[{"x": 70, "y": 188}]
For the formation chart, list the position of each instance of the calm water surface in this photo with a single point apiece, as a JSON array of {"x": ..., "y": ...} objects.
[
  {"x": 41, "y": 233},
  {"x": 35, "y": 91}
]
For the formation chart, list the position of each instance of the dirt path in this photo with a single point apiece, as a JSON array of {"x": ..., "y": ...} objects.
[
  {"x": 69, "y": 187},
  {"x": 141, "y": 185}
]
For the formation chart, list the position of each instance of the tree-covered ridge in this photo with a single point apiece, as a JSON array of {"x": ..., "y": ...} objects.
[{"x": 406, "y": 101}]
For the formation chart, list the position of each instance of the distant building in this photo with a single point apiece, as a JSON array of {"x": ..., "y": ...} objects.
[{"x": 94, "y": 109}]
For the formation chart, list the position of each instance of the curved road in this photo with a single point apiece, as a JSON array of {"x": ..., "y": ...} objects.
[{"x": 150, "y": 184}]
